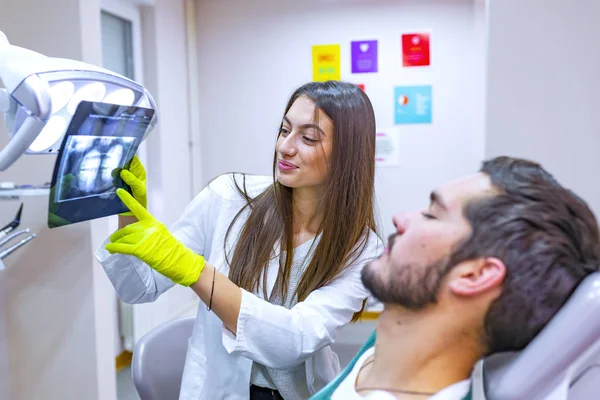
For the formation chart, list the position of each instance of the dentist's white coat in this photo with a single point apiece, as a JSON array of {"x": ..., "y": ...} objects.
[{"x": 218, "y": 363}]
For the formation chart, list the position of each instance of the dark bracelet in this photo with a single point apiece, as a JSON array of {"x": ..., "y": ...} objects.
[{"x": 212, "y": 290}]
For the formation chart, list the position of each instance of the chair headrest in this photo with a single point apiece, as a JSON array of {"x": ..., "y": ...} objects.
[{"x": 568, "y": 339}]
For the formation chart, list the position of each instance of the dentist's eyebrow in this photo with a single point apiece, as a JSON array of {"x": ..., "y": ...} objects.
[
  {"x": 435, "y": 198},
  {"x": 307, "y": 126}
]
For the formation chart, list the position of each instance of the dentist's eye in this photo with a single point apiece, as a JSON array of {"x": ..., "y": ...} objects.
[
  {"x": 284, "y": 132},
  {"x": 309, "y": 140}
]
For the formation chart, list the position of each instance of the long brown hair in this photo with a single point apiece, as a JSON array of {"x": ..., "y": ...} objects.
[{"x": 348, "y": 200}]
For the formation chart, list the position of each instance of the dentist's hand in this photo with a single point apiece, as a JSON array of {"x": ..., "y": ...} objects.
[
  {"x": 150, "y": 241},
  {"x": 135, "y": 177}
]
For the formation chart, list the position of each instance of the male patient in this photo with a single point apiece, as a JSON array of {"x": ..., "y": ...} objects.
[{"x": 482, "y": 270}]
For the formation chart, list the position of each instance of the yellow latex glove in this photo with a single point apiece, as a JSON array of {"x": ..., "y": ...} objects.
[
  {"x": 150, "y": 241},
  {"x": 135, "y": 177}
]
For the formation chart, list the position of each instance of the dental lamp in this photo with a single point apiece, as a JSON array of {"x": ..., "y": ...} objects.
[{"x": 41, "y": 94}]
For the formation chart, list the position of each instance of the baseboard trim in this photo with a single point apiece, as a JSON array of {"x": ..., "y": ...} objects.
[
  {"x": 123, "y": 360},
  {"x": 369, "y": 316}
]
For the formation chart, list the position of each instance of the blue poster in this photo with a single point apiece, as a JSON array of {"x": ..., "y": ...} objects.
[{"x": 412, "y": 104}]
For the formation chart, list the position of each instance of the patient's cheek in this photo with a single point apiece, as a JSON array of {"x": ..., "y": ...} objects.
[{"x": 434, "y": 247}]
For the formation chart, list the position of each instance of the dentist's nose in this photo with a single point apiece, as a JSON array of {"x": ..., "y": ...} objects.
[{"x": 287, "y": 146}]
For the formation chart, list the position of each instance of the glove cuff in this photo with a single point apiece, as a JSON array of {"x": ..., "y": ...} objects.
[{"x": 194, "y": 272}]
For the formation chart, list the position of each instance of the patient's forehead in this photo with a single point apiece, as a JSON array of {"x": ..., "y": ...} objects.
[{"x": 459, "y": 192}]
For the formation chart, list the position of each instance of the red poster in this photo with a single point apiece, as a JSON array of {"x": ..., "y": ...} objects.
[
  {"x": 415, "y": 50},
  {"x": 361, "y": 85}
]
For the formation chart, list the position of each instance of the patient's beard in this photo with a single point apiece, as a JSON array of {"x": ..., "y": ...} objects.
[{"x": 410, "y": 286}]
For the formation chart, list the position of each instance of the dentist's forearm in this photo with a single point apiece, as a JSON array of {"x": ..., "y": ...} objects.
[{"x": 226, "y": 295}]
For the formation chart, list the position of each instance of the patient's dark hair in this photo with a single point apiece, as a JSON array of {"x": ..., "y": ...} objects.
[{"x": 546, "y": 236}]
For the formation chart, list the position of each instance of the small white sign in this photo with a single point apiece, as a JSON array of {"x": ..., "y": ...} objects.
[{"x": 387, "y": 146}]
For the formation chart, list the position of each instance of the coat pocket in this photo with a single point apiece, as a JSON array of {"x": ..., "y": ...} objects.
[{"x": 194, "y": 374}]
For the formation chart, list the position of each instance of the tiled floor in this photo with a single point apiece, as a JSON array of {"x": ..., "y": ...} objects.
[{"x": 125, "y": 388}]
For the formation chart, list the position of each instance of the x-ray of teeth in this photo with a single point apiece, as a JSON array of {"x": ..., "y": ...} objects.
[
  {"x": 89, "y": 165},
  {"x": 101, "y": 140}
]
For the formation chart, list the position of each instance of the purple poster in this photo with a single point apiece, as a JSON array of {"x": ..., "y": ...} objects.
[{"x": 364, "y": 56}]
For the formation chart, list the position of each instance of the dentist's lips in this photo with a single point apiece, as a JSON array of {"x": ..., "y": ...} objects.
[{"x": 286, "y": 166}]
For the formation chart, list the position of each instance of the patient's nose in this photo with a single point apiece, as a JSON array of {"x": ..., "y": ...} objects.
[{"x": 400, "y": 221}]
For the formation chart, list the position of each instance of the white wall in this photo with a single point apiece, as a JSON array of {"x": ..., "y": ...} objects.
[
  {"x": 168, "y": 161},
  {"x": 60, "y": 305},
  {"x": 541, "y": 96},
  {"x": 112, "y": 51},
  {"x": 50, "y": 285},
  {"x": 542, "y": 88},
  {"x": 254, "y": 53}
]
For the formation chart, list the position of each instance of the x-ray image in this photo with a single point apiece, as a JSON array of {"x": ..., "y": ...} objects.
[
  {"x": 100, "y": 141},
  {"x": 93, "y": 163}
]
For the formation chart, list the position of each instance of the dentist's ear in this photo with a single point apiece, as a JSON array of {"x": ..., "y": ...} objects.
[{"x": 478, "y": 276}]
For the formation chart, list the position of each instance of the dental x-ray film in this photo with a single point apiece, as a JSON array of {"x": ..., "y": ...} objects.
[{"x": 100, "y": 141}]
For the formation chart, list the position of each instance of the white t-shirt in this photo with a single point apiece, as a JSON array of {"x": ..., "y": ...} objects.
[{"x": 347, "y": 390}]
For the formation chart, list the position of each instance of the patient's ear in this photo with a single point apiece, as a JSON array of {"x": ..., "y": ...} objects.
[{"x": 477, "y": 276}]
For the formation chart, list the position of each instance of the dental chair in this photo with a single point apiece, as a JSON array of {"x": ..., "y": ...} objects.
[
  {"x": 562, "y": 362},
  {"x": 158, "y": 360}
]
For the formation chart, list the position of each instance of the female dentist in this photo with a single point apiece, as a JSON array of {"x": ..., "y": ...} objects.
[{"x": 277, "y": 260}]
